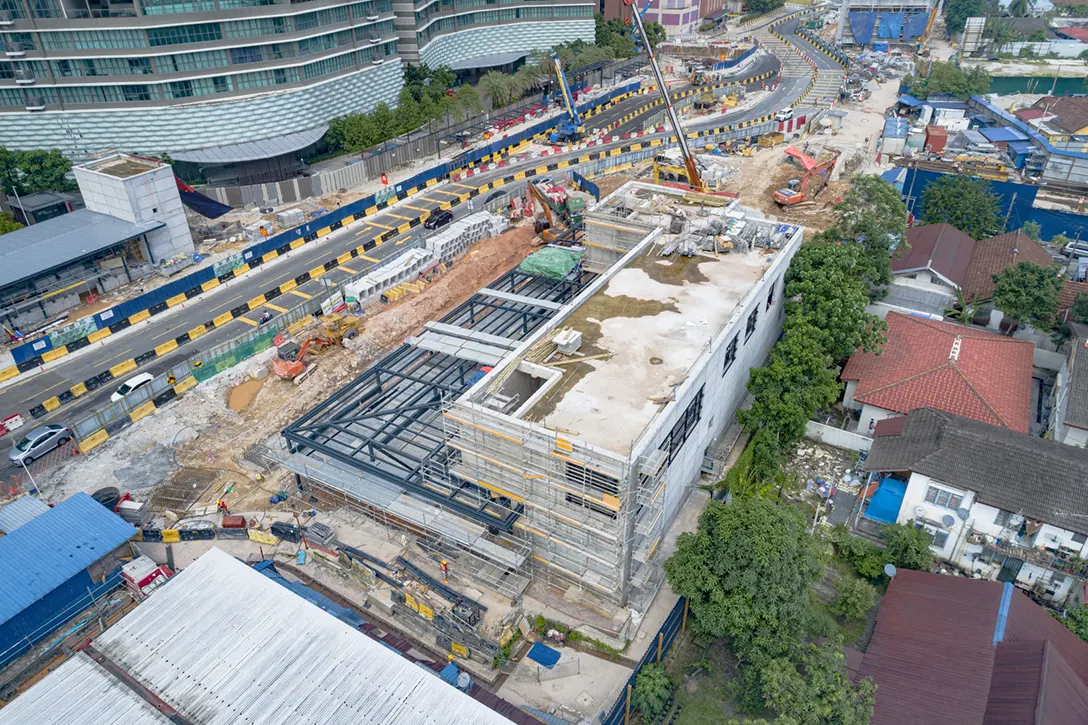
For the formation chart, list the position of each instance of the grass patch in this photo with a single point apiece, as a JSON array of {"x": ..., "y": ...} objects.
[
  {"x": 541, "y": 625},
  {"x": 704, "y": 698}
]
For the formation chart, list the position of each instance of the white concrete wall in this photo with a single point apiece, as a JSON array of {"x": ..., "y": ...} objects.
[
  {"x": 848, "y": 395},
  {"x": 722, "y": 393},
  {"x": 871, "y": 415},
  {"x": 837, "y": 437},
  {"x": 932, "y": 514},
  {"x": 1075, "y": 437},
  {"x": 150, "y": 196}
]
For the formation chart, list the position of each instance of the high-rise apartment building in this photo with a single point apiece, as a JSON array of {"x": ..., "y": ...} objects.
[{"x": 234, "y": 81}]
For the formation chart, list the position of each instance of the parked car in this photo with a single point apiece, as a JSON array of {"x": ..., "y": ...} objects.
[
  {"x": 134, "y": 383},
  {"x": 438, "y": 219},
  {"x": 1076, "y": 249},
  {"x": 784, "y": 115},
  {"x": 37, "y": 443}
]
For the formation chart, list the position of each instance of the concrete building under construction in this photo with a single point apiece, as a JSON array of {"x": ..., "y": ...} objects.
[{"x": 550, "y": 428}]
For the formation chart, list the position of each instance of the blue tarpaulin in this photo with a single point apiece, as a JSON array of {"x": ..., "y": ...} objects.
[
  {"x": 543, "y": 655},
  {"x": 915, "y": 26},
  {"x": 908, "y": 100},
  {"x": 891, "y": 25},
  {"x": 861, "y": 25},
  {"x": 885, "y": 503}
]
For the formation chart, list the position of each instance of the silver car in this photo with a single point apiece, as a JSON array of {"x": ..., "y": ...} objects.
[{"x": 37, "y": 443}]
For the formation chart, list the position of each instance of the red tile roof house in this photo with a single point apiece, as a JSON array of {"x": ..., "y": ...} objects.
[
  {"x": 930, "y": 364},
  {"x": 956, "y": 650},
  {"x": 941, "y": 259}
]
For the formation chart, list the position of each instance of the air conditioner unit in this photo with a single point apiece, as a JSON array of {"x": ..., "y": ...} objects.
[
  {"x": 24, "y": 77},
  {"x": 6, "y": 17},
  {"x": 35, "y": 103},
  {"x": 14, "y": 50}
]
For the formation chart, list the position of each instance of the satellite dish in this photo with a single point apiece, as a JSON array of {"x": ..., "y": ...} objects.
[
  {"x": 963, "y": 514},
  {"x": 890, "y": 570},
  {"x": 948, "y": 519},
  {"x": 919, "y": 512}
]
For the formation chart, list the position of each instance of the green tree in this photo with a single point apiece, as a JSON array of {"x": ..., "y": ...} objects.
[
  {"x": 1028, "y": 293},
  {"x": 1033, "y": 230},
  {"x": 907, "y": 547},
  {"x": 8, "y": 224},
  {"x": 812, "y": 688},
  {"x": 1079, "y": 312},
  {"x": 468, "y": 100},
  {"x": 866, "y": 558},
  {"x": 1001, "y": 32},
  {"x": 655, "y": 32},
  {"x": 966, "y": 309},
  {"x": 1020, "y": 9},
  {"x": 873, "y": 214},
  {"x": 1037, "y": 36},
  {"x": 764, "y": 6},
  {"x": 1076, "y": 619},
  {"x": 965, "y": 202},
  {"x": 409, "y": 114},
  {"x": 854, "y": 600},
  {"x": 496, "y": 88},
  {"x": 1059, "y": 240},
  {"x": 25, "y": 172},
  {"x": 956, "y": 13},
  {"x": 948, "y": 78},
  {"x": 826, "y": 289},
  {"x": 746, "y": 572},
  {"x": 652, "y": 691}
]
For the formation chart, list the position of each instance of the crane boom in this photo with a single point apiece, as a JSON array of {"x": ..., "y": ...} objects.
[
  {"x": 571, "y": 128},
  {"x": 694, "y": 179}
]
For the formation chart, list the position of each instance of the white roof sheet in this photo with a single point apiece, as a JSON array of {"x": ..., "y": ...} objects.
[
  {"x": 221, "y": 643},
  {"x": 81, "y": 692}
]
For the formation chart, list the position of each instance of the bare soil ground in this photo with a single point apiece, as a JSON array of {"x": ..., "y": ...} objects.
[{"x": 201, "y": 432}]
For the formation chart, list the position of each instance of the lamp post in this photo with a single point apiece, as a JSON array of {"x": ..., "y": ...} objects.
[{"x": 34, "y": 483}]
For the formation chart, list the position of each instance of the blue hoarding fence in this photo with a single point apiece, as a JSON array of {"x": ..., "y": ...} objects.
[
  {"x": 586, "y": 185},
  {"x": 734, "y": 62},
  {"x": 28, "y": 355},
  {"x": 674, "y": 625}
]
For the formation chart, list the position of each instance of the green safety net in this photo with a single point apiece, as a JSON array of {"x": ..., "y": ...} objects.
[
  {"x": 550, "y": 262},
  {"x": 224, "y": 361}
]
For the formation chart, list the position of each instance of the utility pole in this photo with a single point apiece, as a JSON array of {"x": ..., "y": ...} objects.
[{"x": 1008, "y": 213}]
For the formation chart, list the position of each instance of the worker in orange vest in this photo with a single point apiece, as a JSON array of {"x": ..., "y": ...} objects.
[
  {"x": 221, "y": 506},
  {"x": 445, "y": 571}
]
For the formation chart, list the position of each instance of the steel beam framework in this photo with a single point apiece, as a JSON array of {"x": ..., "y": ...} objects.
[{"x": 387, "y": 423}]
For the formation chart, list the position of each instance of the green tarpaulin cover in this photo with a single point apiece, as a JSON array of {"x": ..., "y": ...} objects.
[{"x": 550, "y": 262}]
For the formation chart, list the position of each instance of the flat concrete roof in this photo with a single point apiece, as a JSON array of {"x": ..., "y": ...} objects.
[
  {"x": 651, "y": 317},
  {"x": 122, "y": 166}
]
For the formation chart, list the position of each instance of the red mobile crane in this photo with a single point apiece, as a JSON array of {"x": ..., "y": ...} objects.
[
  {"x": 695, "y": 181},
  {"x": 797, "y": 190}
]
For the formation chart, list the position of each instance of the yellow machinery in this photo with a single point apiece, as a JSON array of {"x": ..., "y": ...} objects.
[
  {"x": 340, "y": 327},
  {"x": 923, "y": 47},
  {"x": 770, "y": 140}
]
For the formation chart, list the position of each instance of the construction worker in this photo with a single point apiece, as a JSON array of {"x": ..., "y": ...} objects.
[
  {"x": 445, "y": 571},
  {"x": 221, "y": 506}
]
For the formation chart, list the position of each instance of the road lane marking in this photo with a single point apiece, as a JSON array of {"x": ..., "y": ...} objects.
[
  {"x": 248, "y": 321},
  {"x": 277, "y": 308},
  {"x": 300, "y": 293}
]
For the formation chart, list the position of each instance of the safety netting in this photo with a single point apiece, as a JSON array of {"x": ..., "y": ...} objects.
[
  {"x": 861, "y": 25},
  {"x": 551, "y": 262},
  {"x": 224, "y": 361},
  {"x": 891, "y": 26}
]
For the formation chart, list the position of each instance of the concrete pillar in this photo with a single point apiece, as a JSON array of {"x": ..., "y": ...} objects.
[{"x": 996, "y": 316}]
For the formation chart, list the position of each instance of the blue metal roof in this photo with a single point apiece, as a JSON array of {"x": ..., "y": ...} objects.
[
  {"x": 1003, "y": 133},
  {"x": 20, "y": 511},
  {"x": 896, "y": 127},
  {"x": 908, "y": 100},
  {"x": 1020, "y": 147},
  {"x": 51, "y": 548}
]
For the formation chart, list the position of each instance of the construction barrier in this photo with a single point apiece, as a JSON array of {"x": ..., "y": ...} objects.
[{"x": 216, "y": 361}]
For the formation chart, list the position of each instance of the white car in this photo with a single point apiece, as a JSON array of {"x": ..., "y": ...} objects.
[
  {"x": 784, "y": 115},
  {"x": 133, "y": 383}
]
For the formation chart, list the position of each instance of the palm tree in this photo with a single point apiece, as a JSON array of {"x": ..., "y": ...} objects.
[
  {"x": 1002, "y": 33},
  {"x": 1020, "y": 8},
  {"x": 496, "y": 88},
  {"x": 526, "y": 79},
  {"x": 965, "y": 309}
]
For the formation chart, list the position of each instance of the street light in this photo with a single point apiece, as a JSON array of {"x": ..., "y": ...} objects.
[{"x": 37, "y": 491}]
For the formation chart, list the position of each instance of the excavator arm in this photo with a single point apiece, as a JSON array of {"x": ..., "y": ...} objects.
[
  {"x": 543, "y": 199},
  {"x": 821, "y": 173}
]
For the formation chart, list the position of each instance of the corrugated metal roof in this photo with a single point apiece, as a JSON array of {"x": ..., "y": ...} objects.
[
  {"x": 51, "y": 548},
  {"x": 80, "y": 692},
  {"x": 20, "y": 511},
  {"x": 220, "y": 643},
  {"x": 253, "y": 150},
  {"x": 27, "y": 252},
  {"x": 1003, "y": 133}
]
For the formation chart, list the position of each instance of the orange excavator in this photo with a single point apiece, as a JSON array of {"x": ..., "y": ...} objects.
[
  {"x": 798, "y": 190},
  {"x": 289, "y": 362}
]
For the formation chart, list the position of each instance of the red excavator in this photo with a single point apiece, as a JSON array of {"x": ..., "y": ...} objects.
[
  {"x": 289, "y": 362},
  {"x": 797, "y": 190}
]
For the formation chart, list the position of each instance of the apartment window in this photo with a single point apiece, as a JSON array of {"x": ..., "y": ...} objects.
[
  {"x": 174, "y": 7},
  {"x": 250, "y": 54},
  {"x": 593, "y": 506},
  {"x": 181, "y": 89},
  {"x": 582, "y": 477},
  {"x": 1079, "y": 538},
  {"x": 15, "y": 7},
  {"x": 683, "y": 427},
  {"x": 263, "y": 26},
  {"x": 221, "y": 84},
  {"x": 940, "y": 538},
  {"x": 1002, "y": 519},
  {"x": 751, "y": 326},
  {"x": 184, "y": 34},
  {"x": 730, "y": 356},
  {"x": 942, "y": 498}
]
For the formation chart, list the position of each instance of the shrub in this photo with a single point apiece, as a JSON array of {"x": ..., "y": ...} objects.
[
  {"x": 855, "y": 599},
  {"x": 863, "y": 556},
  {"x": 653, "y": 691}
]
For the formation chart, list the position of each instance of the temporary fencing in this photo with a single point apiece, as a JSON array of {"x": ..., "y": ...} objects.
[{"x": 217, "y": 360}]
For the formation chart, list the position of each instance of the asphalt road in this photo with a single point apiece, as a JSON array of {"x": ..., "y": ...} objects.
[{"x": 24, "y": 394}]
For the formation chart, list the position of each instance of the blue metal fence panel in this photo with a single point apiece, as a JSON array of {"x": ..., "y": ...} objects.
[
  {"x": 915, "y": 26},
  {"x": 891, "y": 25}
]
